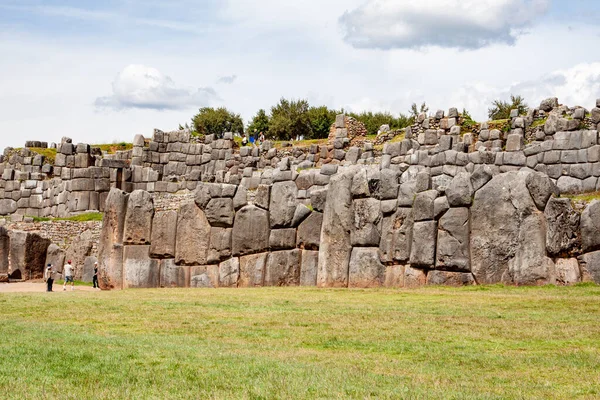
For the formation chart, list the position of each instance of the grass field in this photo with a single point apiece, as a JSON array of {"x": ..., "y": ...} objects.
[{"x": 272, "y": 343}]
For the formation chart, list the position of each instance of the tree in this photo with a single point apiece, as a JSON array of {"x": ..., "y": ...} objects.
[
  {"x": 321, "y": 119},
  {"x": 289, "y": 119},
  {"x": 373, "y": 121},
  {"x": 210, "y": 121},
  {"x": 501, "y": 109},
  {"x": 415, "y": 111},
  {"x": 260, "y": 123}
]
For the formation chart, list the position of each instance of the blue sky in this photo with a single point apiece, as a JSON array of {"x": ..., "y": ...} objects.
[{"x": 105, "y": 71}]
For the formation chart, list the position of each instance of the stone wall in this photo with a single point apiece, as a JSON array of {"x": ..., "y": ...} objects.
[{"x": 364, "y": 227}]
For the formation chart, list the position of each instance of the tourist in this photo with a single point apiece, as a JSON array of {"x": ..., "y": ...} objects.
[
  {"x": 245, "y": 140},
  {"x": 95, "y": 277},
  {"x": 261, "y": 138},
  {"x": 68, "y": 270},
  {"x": 49, "y": 275}
]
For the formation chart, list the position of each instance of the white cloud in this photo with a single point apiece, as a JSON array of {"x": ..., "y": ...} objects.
[
  {"x": 462, "y": 24},
  {"x": 228, "y": 80},
  {"x": 575, "y": 86},
  {"x": 138, "y": 86}
]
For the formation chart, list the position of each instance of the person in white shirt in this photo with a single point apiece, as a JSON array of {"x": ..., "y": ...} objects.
[
  {"x": 49, "y": 276},
  {"x": 68, "y": 270}
]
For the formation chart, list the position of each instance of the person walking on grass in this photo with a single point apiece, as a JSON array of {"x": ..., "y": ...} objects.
[
  {"x": 49, "y": 275},
  {"x": 95, "y": 277},
  {"x": 68, "y": 270}
]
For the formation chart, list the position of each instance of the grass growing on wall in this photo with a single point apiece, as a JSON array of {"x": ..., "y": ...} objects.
[
  {"x": 114, "y": 147},
  {"x": 86, "y": 217},
  {"x": 50, "y": 154},
  {"x": 586, "y": 197},
  {"x": 489, "y": 342}
]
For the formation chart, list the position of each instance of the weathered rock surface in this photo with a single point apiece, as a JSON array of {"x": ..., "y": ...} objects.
[
  {"x": 447, "y": 278},
  {"x": 78, "y": 252},
  {"x": 590, "y": 267},
  {"x": 4, "y": 253},
  {"x": 309, "y": 232},
  {"x": 508, "y": 234},
  {"x": 204, "y": 276},
  {"x": 396, "y": 236},
  {"x": 422, "y": 250},
  {"x": 567, "y": 271},
  {"x": 414, "y": 277},
  {"x": 460, "y": 191},
  {"x": 250, "y": 231},
  {"x": 220, "y": 212},
  {"x": 562, "y": 221},
  {"x": 367, "y": 222},
  {"x": 252, "y": 270},
  {"x": 172, "y": 275},
  {"x": 229, "y": 272},
  {"x": 335, "y": 248},
  {"x": 283, "y": 268},
  {"x": 55, "y": 256},
  {"x": 138, "y": 220},
  {"x": 394, "y": 276},
  {"x": 283, "y": 204},
  {"x": 193, "y": 235},
  {"x": 590, "y": 227},
  {"x": 309, "y": 268},
  {"x": 164, "y": 234},
  {"x": 365, "y": 268},
  {"x": 219, "y": 244},
  {"x": 139, "y": 270},
  {"x": 110, "y": 248},
  {"x": 453, "y": 241}
]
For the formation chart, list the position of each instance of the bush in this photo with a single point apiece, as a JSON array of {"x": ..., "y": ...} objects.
[
  {"x": 289, "y": 119},
  {"x": 501, "y": 109},
  {"x": 210, "y": 121}
]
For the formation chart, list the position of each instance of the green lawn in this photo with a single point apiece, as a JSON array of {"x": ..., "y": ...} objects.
[{"x": 274, "y": 343}]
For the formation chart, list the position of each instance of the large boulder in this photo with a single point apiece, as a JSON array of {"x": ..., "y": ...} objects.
[
  {"x": 590, "y": 267},
  {"x": 367, "y": 222},
  {"x": 590, "y": 227},
  {"x": 172, "y": 275},
  {"x": 365, "y": 268},
  {"x": 283, "y": 268},
  {"x": 138, "y": 221},
  {"x": 508, "y": 234},
  {"x": 139, "y": 270},
  {"x": 309, "y": 232},
  {"x": 204, "y": 276},
  {"x": 229, "y": 272},
  {"x": 88, "y": 269},
  {"x": 335, "y": 248},
  {"x": 250, "y": 231},
  {"x": 541, "y": 188},
  {"x": 309, "y": 268},
  {"x": 396, "y": 236},
  {"x": 562, "y": 222},
  {"x": 220, "y": 244},
  {"x": 453, "y": 241},
  {"x": 283, "y": 204},
  {"x": 164, "y": 233},
  {"x": 4, "y": 252},
  {"x": 252, "y": 270},
  {"x": 220, "y": 212},
  {"x": 110, "y": 248},
  {"x": 55, "y": 256},
  {"x": 193, "y": 235},
  {"x": 422, "y": 249},
  {"x": 567, "y": 271},
  {"x": 460, "y": 191},
  {"x": 446, "y": 278},
  {"x": 27, "y": 255}
]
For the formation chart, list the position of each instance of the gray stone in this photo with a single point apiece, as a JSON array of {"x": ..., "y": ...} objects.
[
  {"x": 440, "y": 206},
  {"x": 335, "y": 246},
  {"x": 590, "y": 267},
  {"x": 204, "y": 276},
  {"x": 241, "y": 197},
  {"x": 300, "y": 214},
  {"x": 252, "y": 270},
  {"x": 453, "y": 241},
  {"x": 590, "y": 227},
  {"x": 229, "y": 272},
  {"x": 396, "y": 237},
  {"x": 567, "y": 271},
  {"x": 366, "y": 222},
  {"x": 193, "y": 235},
  {"x": 480, "y": 176},
  {"x": 220, "y": 212},
  {"x": 422, "y": 250},
  {"x": 250, "y": 231},
  {"x": 263, "y": 196},
  {"x": 318, "y": 199},
  {"x": 7, "y": 206},
  {"x": 309, "y": 232},
  {"x": 79, "y": 250},
  {"x": 139, "y": 270},
  {"x": 138, "y": 221},
  {"x": 281, "y": 239},
  {"x": 515, "y": 142},
  {"x": 283, "y": 268},
  {"x": 460, "y": 191},
  {"x": 569, "y": 185},
  {"x": 309, "y": 268},
  {"x": 394, "y": 276},
  {"x": 548, "y": 104},
  {"x": 414, "y": 277},
  {"x": 54, "y": 255},
  {"x": 508, "y": 234},
  {"x": 164, "y": 233},
  {"x": 283, "y": 204},
  {"x": 423, "y": 207},
  {"x": 562, "y": 234},
  {"x": 110, "y": 247},
  {"x": 219, "y": 248},
  {"x": 446, "y": 278},
  {"x": 540, "y": 188},
  {"x": 173, "y": 276},
  {"x": 365, "y": 269}
]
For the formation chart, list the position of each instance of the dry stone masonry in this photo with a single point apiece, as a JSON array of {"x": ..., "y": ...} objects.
[{"x": 446, "y": 205}]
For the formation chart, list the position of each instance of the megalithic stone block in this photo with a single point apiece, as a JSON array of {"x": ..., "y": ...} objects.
[
  {"x": 110, "y": 247},
  {"x": 138, "y": 220}
]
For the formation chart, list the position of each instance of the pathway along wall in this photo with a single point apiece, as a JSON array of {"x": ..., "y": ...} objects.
[{"x": 368, "y": 227}]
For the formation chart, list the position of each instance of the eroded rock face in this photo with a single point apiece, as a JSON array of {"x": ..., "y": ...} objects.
[
  {"x": 453, "y": 240},
  {"x": 252, "y": 270},
  {"x": 4, "y": 253},
  {"x": 396, "y": 236},
  {"x": 55, "y": 256},
  {"x": 193, "y": 235},
  {"x": 220, "y": 212},
  {"x": 309, "y": 232},
  {"x": 365, "y": 268},
  {"x": 283, "y": 268},
  {"x": 172, "y": 275},
  {"x": 508, "y": 234},
  {"x": 110, "y": 248},
  {"x": 335, "y": 249},
  {"x": 164, "y": 233},
  {"x": 250, "y": 231},
  {"x": 590, "y": 227},
  {"x": 283, "y": 204},
  {"x": 139, "y": 270},
  {"x": 590, "y": 267},
  {"x": 78, "y": 251},
  {"x": 567, "y": 271},
  {"x": 367, "y": 222},
  {"x": 138, "y": 220},
  {"x": 563, "y": 226},
  {"x": 229, "y": 272},
  {"x": 447, "y": 278}
]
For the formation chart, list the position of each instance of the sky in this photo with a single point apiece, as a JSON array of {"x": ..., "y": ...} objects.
[{"x": 104, "y": 71}]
